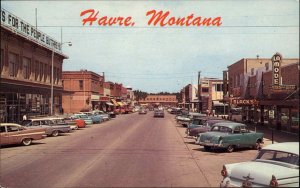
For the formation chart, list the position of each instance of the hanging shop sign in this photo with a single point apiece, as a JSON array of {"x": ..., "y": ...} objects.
[
  {"x": 276, "y": 64},
  {"x": 276, "y": 84},
  {"x": 244, "y": 102},
  {"x": 20, "y": 27}
]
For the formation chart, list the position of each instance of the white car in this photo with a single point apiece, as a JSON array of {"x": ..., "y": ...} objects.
[{"x": 276, "y": 165}]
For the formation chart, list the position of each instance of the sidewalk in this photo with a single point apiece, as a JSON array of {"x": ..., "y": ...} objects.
[{"x": 278, "y": 136}]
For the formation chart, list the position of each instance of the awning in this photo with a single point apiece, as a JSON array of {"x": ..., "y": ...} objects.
[
  {"x": 120, "y": 104},
  {"x": 109, "y": 104},
  {"x": 218, "y": 103},
  {"x": 114, "y": 102}
]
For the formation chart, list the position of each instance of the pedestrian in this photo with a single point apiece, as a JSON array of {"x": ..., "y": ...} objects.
[{"x": 24, "y": 117}]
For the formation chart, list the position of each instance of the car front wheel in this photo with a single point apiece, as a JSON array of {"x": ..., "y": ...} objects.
[
  {"x": 26, "y": 141},
  {"x": 230, "y": 148},
  {"x": 55, "y": 133}
]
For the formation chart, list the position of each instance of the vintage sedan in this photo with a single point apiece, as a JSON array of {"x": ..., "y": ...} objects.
[
  {"x": 142, "y": 111},
  {"x": 159, "y": 113},
  {"x": 62, "y": 121},
  {"x": 230, "y": 136},
  {"x": 51, "y": 128},
  {"x": 84, "y": 117},
  {"x": 276, "y": 165},
  {"x": 11, "y": 133},
  {"x": 202, "y": 127}
]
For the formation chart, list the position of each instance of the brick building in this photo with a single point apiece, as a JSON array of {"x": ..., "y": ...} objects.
[
  {"x": 82, "y": 91},
  {"x": 165, "y": 100},
  {"x": 251, "y": 89},
  {"x": 26, "y": 70}
]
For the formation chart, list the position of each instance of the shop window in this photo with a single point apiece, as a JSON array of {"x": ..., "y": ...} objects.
[
  {"x": 13, "y": 65},
  {"x": 81, "y": 84},
  {"x": 26, "y": 67}
]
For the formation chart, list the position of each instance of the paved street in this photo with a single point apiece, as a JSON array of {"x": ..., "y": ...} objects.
[{"x": 130, "y": 151}]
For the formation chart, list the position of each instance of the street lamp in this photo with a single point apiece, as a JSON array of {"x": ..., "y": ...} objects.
[{"x": 52, "y": 66}]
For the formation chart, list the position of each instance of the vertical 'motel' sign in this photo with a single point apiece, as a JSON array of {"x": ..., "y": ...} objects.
[{"x": 276, "y": 62}]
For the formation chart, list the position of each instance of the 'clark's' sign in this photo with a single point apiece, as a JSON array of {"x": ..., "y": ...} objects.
[{"x": 244, "y": 102}]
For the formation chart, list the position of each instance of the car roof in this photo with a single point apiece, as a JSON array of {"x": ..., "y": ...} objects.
[
  {"x": 6, "y": 124},
  {"x": 231, "y": 125},
  {"x": 290, "y": 147}
]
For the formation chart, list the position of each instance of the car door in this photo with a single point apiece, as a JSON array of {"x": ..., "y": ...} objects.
[
  {"x": 4, "y": 136},
  {"x": 13, "y": 134}
]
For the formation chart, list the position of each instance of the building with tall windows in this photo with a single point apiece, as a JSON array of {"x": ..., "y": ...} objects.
[{"x": 27, "y": 56}]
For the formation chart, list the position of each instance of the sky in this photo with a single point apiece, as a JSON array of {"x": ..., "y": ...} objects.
[{"x": 154, "y": 58}]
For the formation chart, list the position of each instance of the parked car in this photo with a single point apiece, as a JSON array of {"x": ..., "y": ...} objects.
[
  {"x": 201, "y": 126},
  {"x": 84, "y": 117},
  {"x": 62, "y": 121},
  {"x": 159, "y": 113},
  {"x": 142, "y": 111},
  {"x": 80, "y": 123},
  {"x": 12, "y": 133},
  {"x": 96, "y": 118},
  {"x": 276, "y": 165},
  {"x": 230, "y": 136},
  {"x": 185, "y": 120},
  {"x": 51, "y": 128},
  {"x": 112, "y": 114},
  {"x": 104, "y": 115}
]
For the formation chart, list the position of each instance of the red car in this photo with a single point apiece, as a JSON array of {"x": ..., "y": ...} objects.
[{"x": 79, "y": 122}]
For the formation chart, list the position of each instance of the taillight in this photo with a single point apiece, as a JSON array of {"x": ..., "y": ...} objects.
[
  {"x": 224, "y": 171},
  {"x": 273, "y": 182}
]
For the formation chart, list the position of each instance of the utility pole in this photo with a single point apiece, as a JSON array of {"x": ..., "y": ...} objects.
[{"x": 199, "y": 97}]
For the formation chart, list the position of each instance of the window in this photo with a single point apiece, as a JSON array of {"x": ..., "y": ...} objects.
[
  {"x": 252, "y": 71},
  {"x": 218, "y": 87},
  {"x": 12, "y": 128},
  {"x": 204, "y": 90},
  {"x": 41, "y": 71},
  {"x": 26, "y": 68},
  {"x": 2, "y": 60},
  {"x": 2, "y": 129},
  {"x": 36, "y": 70},
  {"x": 267, "y": 66},
  {"x": 81, "y": 84},
  {"x": 13, "y": 65},
  {"x": 45, "y": 72}
]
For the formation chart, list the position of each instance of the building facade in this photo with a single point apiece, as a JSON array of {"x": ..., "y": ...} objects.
[
  {"x": 82, "y": 91},
  {"x": 28, "y": 58},
  {"x": 252, "y": 89},
  {"x": 156, "y": 100}
]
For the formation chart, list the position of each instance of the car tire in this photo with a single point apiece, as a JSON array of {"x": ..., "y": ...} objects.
[
  {"x": 54, "y": 133},
  {"x": 26, "y": 141},
  {"x": 258, "y": 145},
  {"x": 207, "y": 148},
  {"x": 230, "y": 148}
]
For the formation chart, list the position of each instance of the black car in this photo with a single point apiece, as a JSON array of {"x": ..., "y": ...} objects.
[{"x": 159, "y": 113}]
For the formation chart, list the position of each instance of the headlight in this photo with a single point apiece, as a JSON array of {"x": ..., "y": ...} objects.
[{"x": 224, "y": 172}]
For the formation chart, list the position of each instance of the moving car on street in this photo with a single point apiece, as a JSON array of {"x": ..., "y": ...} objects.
[
  {"x": 142, "y": 111},
  {"x": 276, "y": 165},
  {"x": 159, "y": 113},
  {"x": 12, "y": 133},
  {"x": 230, "y": 136}
]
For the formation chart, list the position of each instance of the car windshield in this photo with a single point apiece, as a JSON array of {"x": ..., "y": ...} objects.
[
  {"x": 280, "y": 156},
  {"x": 25, "y": 122},
  {"x": 221, "y": 129}
]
